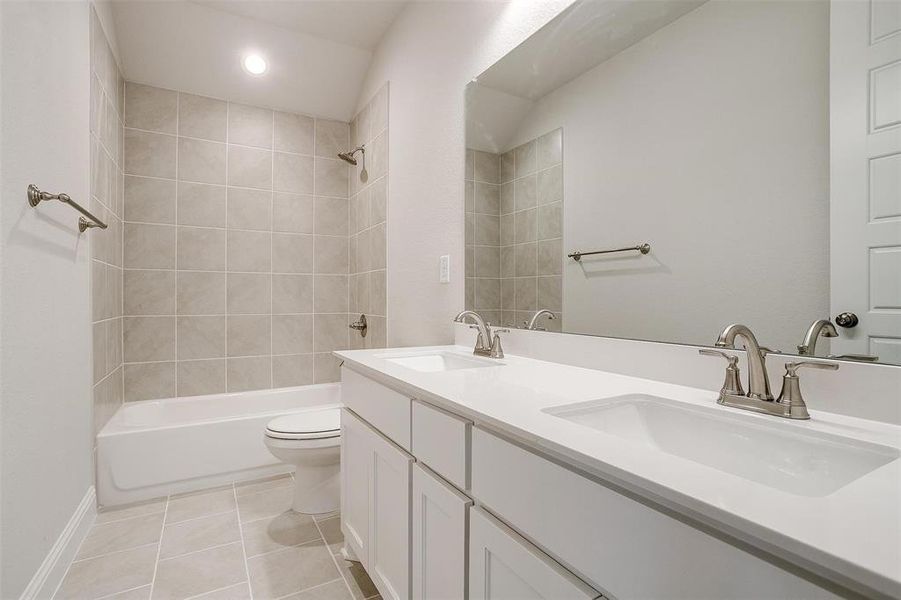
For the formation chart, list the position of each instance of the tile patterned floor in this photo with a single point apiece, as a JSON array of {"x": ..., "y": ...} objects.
[{"x": 236, "y": 542}]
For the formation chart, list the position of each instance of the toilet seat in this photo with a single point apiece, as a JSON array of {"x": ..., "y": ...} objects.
[{"x": 311, "y": 425}]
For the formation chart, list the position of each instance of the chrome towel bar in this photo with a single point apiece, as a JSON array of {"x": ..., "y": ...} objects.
[
  {"x": 35, "y": 196},
  {"x": 644, "y": 248}
]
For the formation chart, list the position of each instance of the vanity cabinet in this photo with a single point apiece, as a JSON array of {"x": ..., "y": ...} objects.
[
  {"x": 504, "y": 566},
  {"x": 439, "y": 537},
  {"x": 375, "y": 505}
]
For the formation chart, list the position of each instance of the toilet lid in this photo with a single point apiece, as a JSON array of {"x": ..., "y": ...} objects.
[{"x": 314, "y": 424}]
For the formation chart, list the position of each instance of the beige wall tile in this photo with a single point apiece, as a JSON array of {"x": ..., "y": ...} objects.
[
  {"x": 331, "y": 177},
  {"x": 98, "y": 340},
  {"x": 331, "y": 216},
  {"x": 249, "y": 293},
  {"x": 525, "y": 226},
  {"x": 507, "y": 167},
  {"x": 201, "y": 337},
  {"x": 150, "y": 108},
  {"x": 486, "y": 167},
  {"x": 249, "y": 167},
  {"x": 379, "y": 201},
  {"x": 550, "y": 185},
  {"x": 359, "y": 127},
  {"x": 196, "y": 377},
  {"x": 149, "y": 200},
  {"x": 292, "y": 334},
  {"x": 290, "y": 370},
  {"x": 362, "y": 252},
  {"x": 525, "y": 193},
  {"x": 550, "y": 149},
  {"x": 201, "y": 249},
  {"x": 249, "y": 209},
  {"x": 508, "y": 229},
  {"x": 149, "y": 246},
  {"x": 292, "y": 293},
  {"x": 525, "y": 257},
  {"x": 526, "y": 293},
  {"x": 487, "y": 198},
  {"x": 149, "y": 292},
  {"x": 149, "y": 338},
  {"x": 487, "y": 229},
  {"x": 378, "y": 156},
  {"x": 550, "y": 257},
  {"x": 330, "y": 294},
  {"x": 331, "y": 332},
  {"x": 249, "y": 251},
  {"x": 251, "y": 373},
  {"x": 293, "y": 173},
  {"x": 249, "y": 125},
  {"x": 292, "y": 253},
  {"x": 550, "y": 293},
  {"x": 508, "y": 262},
  {"x": 487, "y": 261},
  {"x": 378, "y": 244},
  {"x": 201, "y": 204},
  {"x": 487, "y": 293},
  {"x": 378, "y": 293},
  {"x": 550, "y": 221},
  {"x": 525, "y": 159},
  {"x": 150, "y": 154},
  {"x": 292, "y": 213},
  {"x": 293, "y": 133},
  {"x": 200, "y": 293},
  {"x": 332, "y": 137},
  {"x": 146, "y": 381},
  {"x": 201, "y": 117},
  {"x": 201, "y": 161},
  {"x": 330, "y": 254},
  {"x": 249, "y": 335},
  {"x": 326, "y": 368}
]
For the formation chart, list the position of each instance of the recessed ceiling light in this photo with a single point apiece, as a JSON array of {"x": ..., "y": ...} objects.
[{"x": 254, "y": 64}]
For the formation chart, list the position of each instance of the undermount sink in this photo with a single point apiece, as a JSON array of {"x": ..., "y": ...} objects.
[
  {"x": 439, "y": 361},
  {"x": 803, "y": 463}
]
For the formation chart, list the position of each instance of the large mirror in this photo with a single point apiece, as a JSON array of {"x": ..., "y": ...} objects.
[{"x": 657, "y": 170}]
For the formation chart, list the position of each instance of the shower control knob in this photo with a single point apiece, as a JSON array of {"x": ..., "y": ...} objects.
[{"x": 846, "y": 319}]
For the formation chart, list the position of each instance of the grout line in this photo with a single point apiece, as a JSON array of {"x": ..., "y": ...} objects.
[
  {"x": 309, "y": 589},
  {"x": 334, "y": 559},
  {"x": 227, "y": 587},
  {"x": 183, "y": 554},
  {"x": 177, "y": 128},
  {"x": 156, "y": 563},
  {"x": 113, "y": 552},
  {"x": 114, "y": 594},
  {"x": 241, "y": 534}
]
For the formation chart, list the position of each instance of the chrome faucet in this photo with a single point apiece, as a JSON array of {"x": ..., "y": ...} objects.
[
  {"x": 820, "y": 327},
  {"x": 758, "y": 380},
  {"x": 759, "y": 399},
  {"x": 485, "y": 344},
  {"x": 533, "y": 323}
]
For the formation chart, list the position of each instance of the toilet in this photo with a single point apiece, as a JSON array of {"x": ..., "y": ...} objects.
[{"x": 311, "y": 442}]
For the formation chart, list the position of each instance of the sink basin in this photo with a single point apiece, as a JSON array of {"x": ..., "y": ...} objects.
[
  {"x": 439, "y": 361},
  {"x": 777, "y": 455}
]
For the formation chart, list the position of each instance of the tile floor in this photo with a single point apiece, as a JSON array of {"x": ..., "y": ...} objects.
[{"x": 240, "y": 541}]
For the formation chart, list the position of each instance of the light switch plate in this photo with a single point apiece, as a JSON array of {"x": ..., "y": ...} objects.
[{"x": 444, "y": 269}]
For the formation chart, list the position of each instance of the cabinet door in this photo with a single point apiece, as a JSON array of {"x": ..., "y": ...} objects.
[
  {"x": 439, "y": 538},
  {"x": 504, "y": 566},
  {"x": 389, "y": 519},
  {"x": 356, "y": 456}
]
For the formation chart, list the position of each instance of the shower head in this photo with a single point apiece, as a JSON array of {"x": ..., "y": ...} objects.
[{"x": 349, "y": 156}]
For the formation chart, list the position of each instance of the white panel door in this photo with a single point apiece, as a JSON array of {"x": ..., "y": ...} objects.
[
  {"x": 439, "y": 538},
  {"x": 389, "y": 519},
  {"x": 503, "y": 566},
  {"x": 865, "y": 134},
  {"x": 356, "y": 456}
]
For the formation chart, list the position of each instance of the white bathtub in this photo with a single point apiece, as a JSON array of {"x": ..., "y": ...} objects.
[{"x": 157, "y": 447}]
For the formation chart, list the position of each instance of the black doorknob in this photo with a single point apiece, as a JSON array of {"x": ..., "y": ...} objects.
[{"x": 846, "y": 319}]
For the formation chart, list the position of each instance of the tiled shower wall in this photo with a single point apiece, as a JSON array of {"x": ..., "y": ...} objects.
[
  {"x": 106, "y": 245},
  {"x": 529, "y": 232},
  {"x": 369, "y": 222},
  {"x": 235, "y": 246}
]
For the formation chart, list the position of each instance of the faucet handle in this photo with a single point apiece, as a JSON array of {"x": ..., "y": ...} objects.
[
  {"x": 732, "y": 382},
  {"x": 497, "y": 350},
  {"x": 791, "y": 368}
]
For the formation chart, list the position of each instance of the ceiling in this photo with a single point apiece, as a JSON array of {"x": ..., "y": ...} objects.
[
  {"x": 318, "y": 51},
  {"x": 360, "y": 23}
]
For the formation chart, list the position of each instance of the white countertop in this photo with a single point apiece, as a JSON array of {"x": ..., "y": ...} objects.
[{"x": 852, "y": 536}]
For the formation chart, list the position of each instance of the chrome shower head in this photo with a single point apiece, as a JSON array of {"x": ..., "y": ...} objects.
[{"x": 349, "y": 156}]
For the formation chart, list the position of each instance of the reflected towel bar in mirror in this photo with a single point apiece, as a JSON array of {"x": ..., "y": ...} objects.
[
  {"x": 35, "y": 196},
  {"x": 643, "y": 248}
]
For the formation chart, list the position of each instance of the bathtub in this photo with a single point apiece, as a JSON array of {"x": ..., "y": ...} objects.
[{"x": 153, "y": 448}]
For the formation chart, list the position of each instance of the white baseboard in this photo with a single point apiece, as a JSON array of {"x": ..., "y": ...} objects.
[{"x": 51, "y": 572}]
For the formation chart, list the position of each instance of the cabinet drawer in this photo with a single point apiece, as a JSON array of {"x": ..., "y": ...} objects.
[
  {"x": 441, "y": 441},
  {"x": 503, "y": 565},
  {"x": 621, "y": 546},
  {"x": 381, "y": 407}
]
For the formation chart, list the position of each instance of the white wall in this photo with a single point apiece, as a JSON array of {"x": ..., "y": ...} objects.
[
  {"x": 709, "y": 140},
  {"x": 429, "y": 55},
  {"x": 45, "y": 316}
]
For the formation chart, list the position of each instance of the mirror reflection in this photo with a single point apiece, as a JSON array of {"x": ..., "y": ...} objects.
[{"x": 658, "y": 170}]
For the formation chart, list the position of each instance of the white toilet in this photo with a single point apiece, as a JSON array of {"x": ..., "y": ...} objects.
[{"x": 310, "y": 441}]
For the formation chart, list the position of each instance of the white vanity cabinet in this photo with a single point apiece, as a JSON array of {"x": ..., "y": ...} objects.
[
  {"x": 375, "y": 505},
  {"x": 504, "y": 566},
  {"x": 439, "y": 537}
]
